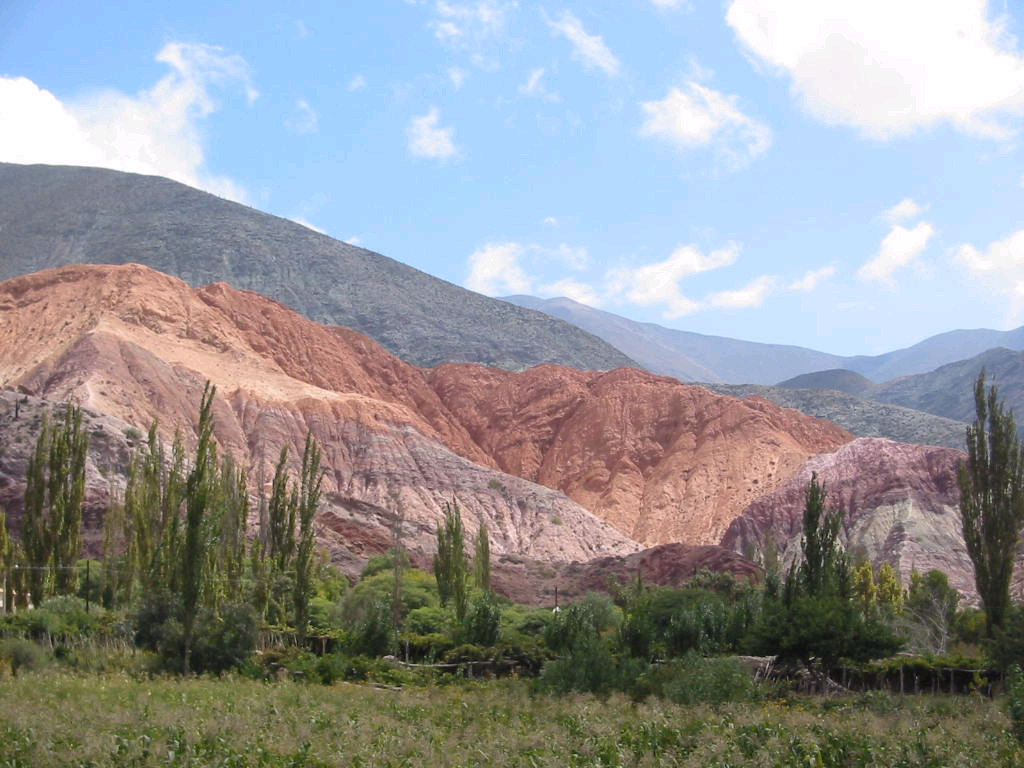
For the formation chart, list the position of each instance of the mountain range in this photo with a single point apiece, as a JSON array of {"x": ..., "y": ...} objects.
[
  {"x": 52, "y": 216},
  {"x": 716, "y": 359},
  {"x": 583, "y": 470},
  {"x": 563, "y": 465}
]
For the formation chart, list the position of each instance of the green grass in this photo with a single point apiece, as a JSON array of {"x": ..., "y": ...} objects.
[{"x": 60, "y": 719}]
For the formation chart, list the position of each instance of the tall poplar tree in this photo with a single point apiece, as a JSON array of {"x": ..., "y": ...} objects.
[
  {"x": 482, "y": 560},
  {"x": 200, "y": 493},
  {"x": 310, "y": 480},
  {"x": 992, "y": 500},
  {"x": 54, "y": 492},
  {"x": 450, "y": 561}
]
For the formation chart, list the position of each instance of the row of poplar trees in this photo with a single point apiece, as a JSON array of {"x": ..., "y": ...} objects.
[{"x": 179, "y": 537}]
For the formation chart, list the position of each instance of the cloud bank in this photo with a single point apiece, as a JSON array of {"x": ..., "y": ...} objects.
[
  {"x": 890, "y": 68},
  {"x": 156, "y": 131}
]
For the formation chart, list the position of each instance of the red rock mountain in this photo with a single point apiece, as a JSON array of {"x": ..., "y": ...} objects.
[
  {"x": 900, "y": 505},
  {"x": 536, "y": 454},
  {"x": 660, "y": 460}
]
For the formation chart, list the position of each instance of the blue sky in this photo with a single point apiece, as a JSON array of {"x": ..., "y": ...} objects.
[{"x": 842, "y": 176}]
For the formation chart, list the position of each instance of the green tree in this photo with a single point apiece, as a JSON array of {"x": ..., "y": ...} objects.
[
  {"x": 824, "y": 567},
  {"x": 281, "y": 513},
  {"x": 6, "y": 563},
  {"x": 54, "y": 492},
  {"x": 992, "y": 500},
  {"x": 450, "y": 565},
  {"x": 482, "y": 561},
  {"x": 310, "y": 480},
  {"x": 153, "y": 497},
  {"x": 818, "y": 621},
  {"x": 865, "y": 591},
  {"x": 928, "y": 619},
  {"x": 199, "y": 497}
]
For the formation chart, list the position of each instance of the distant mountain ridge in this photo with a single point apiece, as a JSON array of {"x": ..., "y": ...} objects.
[
  {"x": 949, "y": 390},
  {"x": 53, "y": 216},
  {"x": 858, "y": 415},
  {"x": 717, "y": 359}
]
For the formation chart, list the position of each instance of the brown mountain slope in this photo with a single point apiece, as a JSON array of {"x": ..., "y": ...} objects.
[
  {"x": 899, "y": 503},
  {"x": 137, "y": 345},
  {"x": 660, "y": 460}
]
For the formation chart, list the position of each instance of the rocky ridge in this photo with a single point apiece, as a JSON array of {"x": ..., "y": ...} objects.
[
  {"x": 53, "y": 216},
  {"x": 900, "y": 505},
  {"x": 659, "y": 460}
]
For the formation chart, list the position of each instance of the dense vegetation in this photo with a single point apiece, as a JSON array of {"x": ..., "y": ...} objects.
[
  {"x": 61, "y": 720},
  {"x": 184, "y": 588}
]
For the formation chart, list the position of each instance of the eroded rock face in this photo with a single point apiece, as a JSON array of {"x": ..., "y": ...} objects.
[
  {"x": 655, "y": 460},
  {"x": 900, "y": 505},
  {"x": 660, "y": 460},
  {"x": 138, "y": 346}
]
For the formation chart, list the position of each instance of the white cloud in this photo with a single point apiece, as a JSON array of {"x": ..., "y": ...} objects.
[
  {"x": 1001, "y": 267},
  {"x": 457, "y": 76},
  {"x": 574, "y": 258},
  {"x": 447, "y": 30},
  {"x": 673, "y": 5},
  {"x": 305, "y": 119},
  {"x": 468, "y": 23},
  {"x": 354, "y": 240},
  {"x": 495, "y": 270},
  {"x": 888, "y": 68},
  {"x": 306, "y": 223},
  {"x": 534, "y": 87},
  {"x": 660, "y": 282},
  {"x": 356, "y": 83},
  {"x": 899, "y": 248},
  {"x": 573, "y": 289},
  {"x": 812, "y": 279},
  {"x": 549, "y": 221},
  {"x": 904, "y": 210},
  {"x": 751, "y": 295},
  {"x": 155, "y": 131},
  {"x": 590, "y": 50},
  {"x": 700, "y": 117},
  {"x": 426, "y": 139}
]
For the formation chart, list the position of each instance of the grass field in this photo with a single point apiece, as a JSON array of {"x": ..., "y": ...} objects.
[{"x": 60, "y": 719}]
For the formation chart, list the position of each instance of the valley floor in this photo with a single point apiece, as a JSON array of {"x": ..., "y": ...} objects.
[{"x": 59, "y": 719}]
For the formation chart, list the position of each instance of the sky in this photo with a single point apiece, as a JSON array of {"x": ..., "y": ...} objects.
[{"x": 842, "y": 176}]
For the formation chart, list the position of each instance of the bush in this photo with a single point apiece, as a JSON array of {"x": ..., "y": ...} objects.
[
  {"x": 483, "y": 622},
  {"x": 21, "y": 654},
  {"x": 57, "y": 618},
  {"x": 590, "y": 667},
  {"x": 1015, "y": 702},
  {"x": 428, "y": 620},
  {"x": 693, "y": 679},
  {"x": 222, "y": 641}
]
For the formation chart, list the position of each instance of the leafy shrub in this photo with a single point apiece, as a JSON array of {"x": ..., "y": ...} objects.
[
  {"x": 1015, "y": 702},
  {"x": 21, "y": 654},
  {"x": 581, "y": 621},
  {"x": 56, "y": 618},
  {"x": 426, "y": 648},
  {"x": 427, "y": 620},
  {"x": 693, "y": 679},
  {"x": 373, "y": 635},
  {"x": 590, "y": 667},
  {"x": 225, "y": 640},
  {"x": 483, "y": 621},
  {"x": 221, "y": 641}
]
